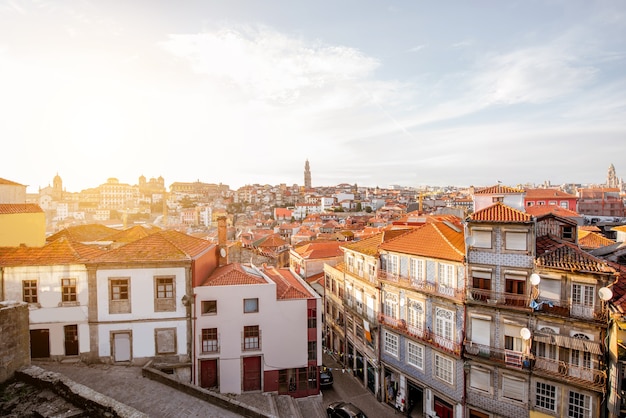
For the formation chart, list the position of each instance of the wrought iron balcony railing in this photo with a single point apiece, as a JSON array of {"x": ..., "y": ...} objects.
[
  {"x": 423, "y": 286},
  {"x": 420, "y": 334}
]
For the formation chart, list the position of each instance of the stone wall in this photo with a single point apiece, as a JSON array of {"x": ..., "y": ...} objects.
[{"x": 15, "y": 338}]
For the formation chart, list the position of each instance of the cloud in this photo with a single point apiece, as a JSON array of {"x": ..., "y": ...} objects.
[
  {"x": 532, "y": 75},
  {"x": 268, "y": 65}
]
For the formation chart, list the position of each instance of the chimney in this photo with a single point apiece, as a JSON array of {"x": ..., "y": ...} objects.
[{"x": 221, "y": 231}]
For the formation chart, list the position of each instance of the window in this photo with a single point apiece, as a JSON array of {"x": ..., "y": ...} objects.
[
  {"x": 391, "y": 305},
  {"x": 446, "y": 275},
  {"x": 371, "y": 268},
  {"x": 312, "y": 318},
  {"x": 312, "y": 346},
  {"x": 567, "y": 232},
  {"x": 209, "y": 340},
  {"x": 209, "y": 307},
  {"x": 416, "y": 271},
  {"x": 481, "y": 280},
  {"x": 119, "y": 289},
  {"x": 415, "y": 316},
  {"x": 545, "y": 396},
  {"x": 359, "y": 333},
  {"x": 564, "y": 204},
  {"x": 582, "y": 295},
  {"x": 392, "y": 266},
  {"x": 251, "y": 337},
  {"x": 514, "y": 388},
  {"x": 515, "y": 241},
  {"x": 480, "y": 379},
  {"x": 29, "y": 291},
  {"x": 444, "y": 323},
  {"x": 391, "y": 344},
  {"x": 512, "y": 337},
  {"x": 444, "y": 368},
  {"x": 415, "y": 355},
  {"x": 119, "y": 292},
  {"x": 251, "y": 305},
  {"x": 165, "y": 294},
  {"x": 481, "y": 238},
  {"x": 579, "y": 405},
  {"x": 68, "y": 290}
]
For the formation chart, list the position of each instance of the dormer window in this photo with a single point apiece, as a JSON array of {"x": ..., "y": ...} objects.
[
  {"x": 567, "y": 233},
  {"x": 496, "y": 199}
]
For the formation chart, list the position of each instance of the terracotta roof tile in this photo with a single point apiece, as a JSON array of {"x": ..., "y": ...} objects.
[
  {"x": 133, "y": 234},
  {"x": 9, "y": 182},
  {"x": 436, "y": 240},
  {"x": 12, "y": 208},
  {"x": 562, "y": 255},
  {"x": 234, "y": 274},
  {"x": 287, "y": 286},
  {"x": 547, "y": 194},
  {"x": 164, "y": 245},
  {"x": 86, "y": 233},
  {"x": 499, "y": 212},
  {"x": 498, "y": 189},
  {"x": 539, "y": 210},
  {"x": 319, "y": 249},
  {"x": 59, "y": 252},
  {"x": 590, "y": 240}
]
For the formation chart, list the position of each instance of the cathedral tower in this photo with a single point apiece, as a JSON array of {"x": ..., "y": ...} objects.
[{"x": 307, "y": 175}]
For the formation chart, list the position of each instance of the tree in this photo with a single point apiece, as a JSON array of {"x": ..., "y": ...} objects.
[{"x": 368, "y": 209}]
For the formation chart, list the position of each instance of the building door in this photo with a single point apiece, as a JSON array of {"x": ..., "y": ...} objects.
[
  {"x": 252, "y": 373},
  {"x": 208, "y": 374},
  {"x": 39, "y": 343},
  {"x": 121, "y": 346},
  {"x": 443, "y": 409},
  {"x": 415, "y": 400},
  {"x": 71, "y": 340}
]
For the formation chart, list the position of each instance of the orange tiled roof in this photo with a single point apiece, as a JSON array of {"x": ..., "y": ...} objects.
[
  {"x": 59, "y": 252},
  {"x": 271, "y": 241},
  {"x": 287, "y": 286},
  {"x": 9, "y": 182},
  {"x": 86, "y": 233},
  {"x": 499, "y": 212},
  {"x": 562, "y": 255},
  {"x": 539, "y": 210},
  {"x": 234, "y": 274},
  {"x": 498, "y": 189},
  {"x": 620, "y": 228},
  {"x": 436, "y": 240},
  {"x": 133, "y": 234},
  {"x": 319, "y": 249},
  {"x": 547, "y": 194},
  {"x": 164, "y": 245},
  {"x": 12, "y": 208},
  {"x": 589, "y": 240}
]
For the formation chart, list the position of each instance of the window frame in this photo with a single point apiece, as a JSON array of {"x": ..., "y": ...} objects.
[
  {"x": 30, "y": 293},
  {"x": 207, "y": 344},
  {"x": 443, "y": 368},
  {"x": 251, "y": 338},
  {"x": 415, "y": 354},
  {"x": 164, "y": 293},
  {"x": 69, "y": 290},
  {"x": 545, "y": 396},
  {"x": 117, "y": 306},
  {"x": 255, "y": 309},
  {"x": 208, "y": 307},
  {"x": 392, "y": 343}
]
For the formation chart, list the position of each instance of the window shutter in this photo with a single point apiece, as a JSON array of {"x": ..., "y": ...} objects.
[
  {"x": 550, "y": 289},
  {"x": 482, "y": 239},
  {"x": 480, "y": 379},
  {"x": 515, "y": 241},
  {"x": 513, "y": 388},
  {"x": 481, "y": 331}
]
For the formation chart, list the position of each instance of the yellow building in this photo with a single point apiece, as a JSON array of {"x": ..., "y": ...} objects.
[{"x": 22, "y": 223}]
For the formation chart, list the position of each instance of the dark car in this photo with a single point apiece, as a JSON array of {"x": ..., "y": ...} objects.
[
  {"x": 344, "y": 410},
  {"x": 326, "y": 377}
]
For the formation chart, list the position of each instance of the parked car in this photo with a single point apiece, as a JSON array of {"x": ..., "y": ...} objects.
[
  {"x": 344, "y": 410},
  {"x": 326, "y": 377}
]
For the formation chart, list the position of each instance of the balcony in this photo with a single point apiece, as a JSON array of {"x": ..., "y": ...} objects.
[
  {"x": 488, "y": 297},
  {"x": 592, "y": 378},
  {"x": 420, "y": 334},
  {"x": 423, "y": 286},
  {"x": 508, "y": 358},
  {"x": 566, "y": 309}
]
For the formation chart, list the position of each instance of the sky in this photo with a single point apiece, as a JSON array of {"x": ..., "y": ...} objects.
[{"x": 376, "y": 93}]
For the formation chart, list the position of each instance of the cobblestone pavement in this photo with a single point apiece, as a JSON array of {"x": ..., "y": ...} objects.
[{"x": 126, "y": 384}]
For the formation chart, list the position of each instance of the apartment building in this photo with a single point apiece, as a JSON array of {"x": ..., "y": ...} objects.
[
  {"x": 257, "y": 329},
  {"x": 422, "y": 282}
]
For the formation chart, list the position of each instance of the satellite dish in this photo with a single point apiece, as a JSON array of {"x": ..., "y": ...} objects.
[
  {"x": 469, "y": 240},
  {"x": 223, "y": 252},
  {"x": 605, "y": 293},
  {"x": 535, "y": 279},
  {"x": 525, "y": 333}
]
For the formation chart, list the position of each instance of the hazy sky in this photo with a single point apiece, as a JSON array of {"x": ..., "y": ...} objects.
[{"x": 370, "y": 92}]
